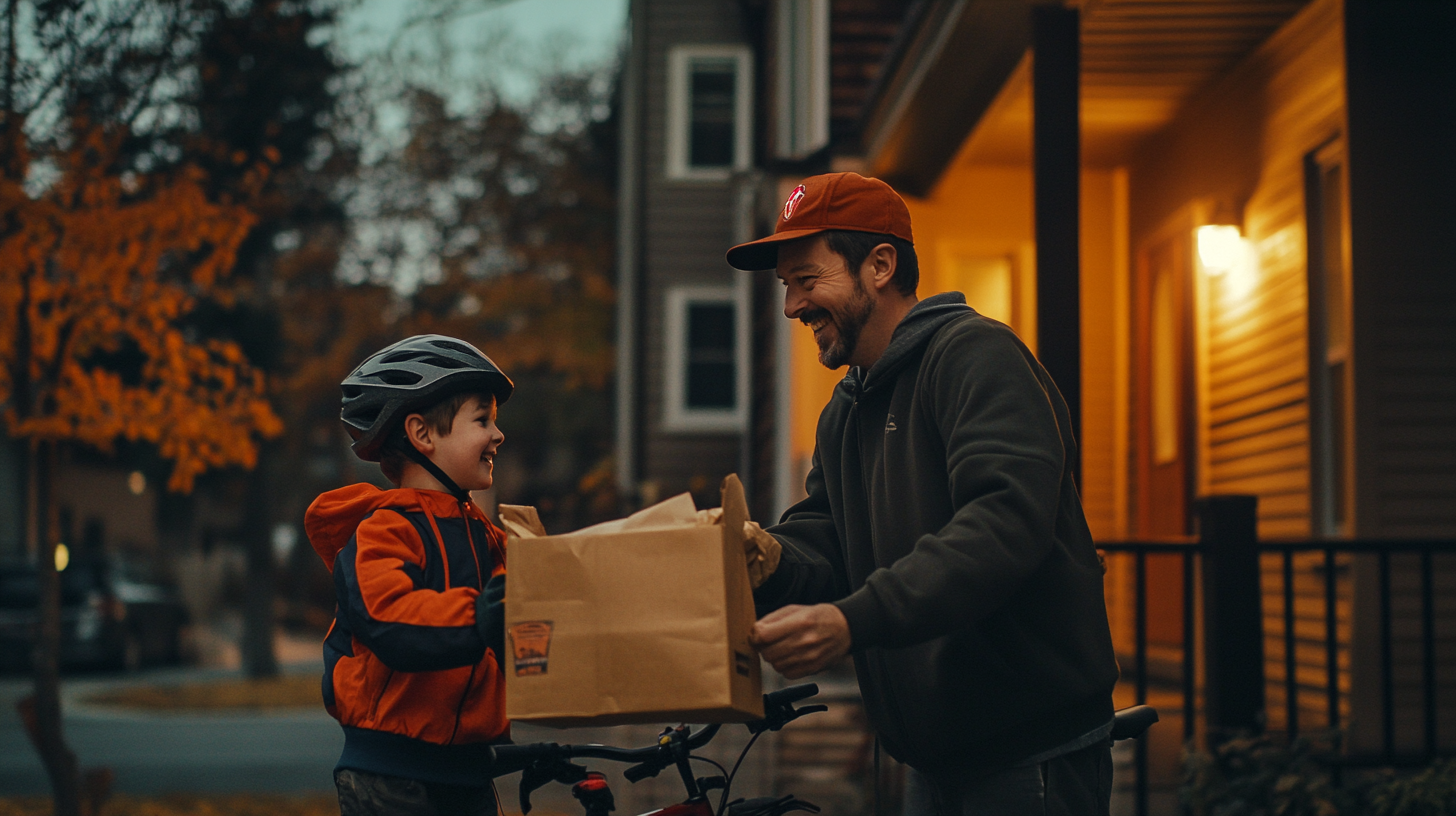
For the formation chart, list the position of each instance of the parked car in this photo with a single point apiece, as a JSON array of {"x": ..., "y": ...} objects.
[{"x": 107, "y": 621}]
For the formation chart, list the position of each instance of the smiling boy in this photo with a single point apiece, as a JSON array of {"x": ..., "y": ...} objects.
[{"x": 412, "y": 663}]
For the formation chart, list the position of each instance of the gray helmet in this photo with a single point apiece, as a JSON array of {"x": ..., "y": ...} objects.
[{"x": 411, "y": 375}]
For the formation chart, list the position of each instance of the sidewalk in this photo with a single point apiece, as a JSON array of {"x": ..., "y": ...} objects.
[{"x": 284, "y": 752}]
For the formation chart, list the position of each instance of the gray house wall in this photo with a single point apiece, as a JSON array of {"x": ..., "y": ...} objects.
[{"x": 685, "y": 227}]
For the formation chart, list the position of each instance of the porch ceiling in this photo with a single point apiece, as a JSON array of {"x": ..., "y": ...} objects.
[{"x": 1141, "y": 61}]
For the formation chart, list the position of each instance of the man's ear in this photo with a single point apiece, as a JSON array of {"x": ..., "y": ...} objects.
[
  {"x": 419, "y": 433},
  {"x": 881, "y": 262}
]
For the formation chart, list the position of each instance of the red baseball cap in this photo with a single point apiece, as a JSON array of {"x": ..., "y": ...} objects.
[{"x": 834, "y": 201}]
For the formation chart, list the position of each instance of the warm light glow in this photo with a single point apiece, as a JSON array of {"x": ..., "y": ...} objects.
[
  {"x": 1220, "y": 248},
  {"x": 136, "y": 483},
  {"x": 63, "y": 557}
]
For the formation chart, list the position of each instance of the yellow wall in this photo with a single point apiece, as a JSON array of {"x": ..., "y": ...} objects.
[{"x": 974, "y": 228}]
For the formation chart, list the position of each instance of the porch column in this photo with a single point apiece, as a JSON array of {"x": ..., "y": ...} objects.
[{"x": 1056, "y": 168}]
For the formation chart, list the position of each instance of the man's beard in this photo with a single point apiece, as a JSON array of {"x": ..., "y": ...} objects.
[{"x": 847, "y": 323}]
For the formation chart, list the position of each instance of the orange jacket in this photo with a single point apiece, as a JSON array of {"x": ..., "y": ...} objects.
[{"x": 406, "y": 669}]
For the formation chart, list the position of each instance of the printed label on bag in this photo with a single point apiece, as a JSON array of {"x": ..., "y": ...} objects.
[{"x": 531, "y": 646}]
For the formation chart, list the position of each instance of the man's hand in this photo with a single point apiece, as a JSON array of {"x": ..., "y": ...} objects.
[
  {"x": 762, "y": 551},
  {"x": 801, "y": 640}
]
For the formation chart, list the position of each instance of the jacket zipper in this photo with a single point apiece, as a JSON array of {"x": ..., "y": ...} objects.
[
  {"x": 460, "y": 706},
  {"x": 470, "y": 539},
  {"x": 374, "y": 709},
  {"x": 480, "y": 584},
  {"x": 863, "y": 474},
  {"x": 876, "y": 655}
]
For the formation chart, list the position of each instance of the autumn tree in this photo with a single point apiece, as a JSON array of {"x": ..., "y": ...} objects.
[
  {"x": 109, "y": 243},
  {"x": 217, "y": 85},
  {"x": 97, "y": 274},
  {"x": 495, "y": 222}
]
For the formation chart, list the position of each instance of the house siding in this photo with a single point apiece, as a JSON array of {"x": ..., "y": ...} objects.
[
  {"x": 1402, "y": 182},
  {"x": 687, "y": 226},
  {"x": 1238, "y": 151}
]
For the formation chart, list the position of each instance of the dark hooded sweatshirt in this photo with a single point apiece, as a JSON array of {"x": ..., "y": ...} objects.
[{"x": 943, "y": 520}]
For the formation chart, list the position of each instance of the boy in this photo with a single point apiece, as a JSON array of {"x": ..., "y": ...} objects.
[{"x": 412, "y": 662}]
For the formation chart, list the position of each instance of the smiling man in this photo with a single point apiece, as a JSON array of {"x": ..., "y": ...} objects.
[{"x": 942, "y": 542}]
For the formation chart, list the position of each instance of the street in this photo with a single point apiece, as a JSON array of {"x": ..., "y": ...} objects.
[
  {"x": 153, "y": 753},
  {"x": 292, "y": 752}
]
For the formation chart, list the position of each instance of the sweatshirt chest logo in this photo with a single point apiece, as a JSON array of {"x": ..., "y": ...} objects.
[{"x": 890, "y": 424}]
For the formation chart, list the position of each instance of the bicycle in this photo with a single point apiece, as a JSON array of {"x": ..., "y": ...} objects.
[{"x": 542, "y": 763}]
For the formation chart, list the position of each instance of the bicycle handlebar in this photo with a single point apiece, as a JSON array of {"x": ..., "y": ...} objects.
[
  {"x": 777, "y": 707},
  {"x": 544, "y": 762},
  {"x": 792, "y": 694},
  {"x": 506, "y": 759}
]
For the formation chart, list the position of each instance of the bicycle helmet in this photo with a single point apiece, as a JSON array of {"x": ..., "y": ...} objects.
[{"x": 410, "y": 375}]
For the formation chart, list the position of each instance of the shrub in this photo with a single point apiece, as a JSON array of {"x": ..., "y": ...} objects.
[
  {"x": 1259, "y": 776},
  {"x": 1255, "y": 776},
  {"x": 1431, "y": 792}
]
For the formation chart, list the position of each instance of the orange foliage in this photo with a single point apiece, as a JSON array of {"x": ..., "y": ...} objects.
[{"x": 103, "y": 264}]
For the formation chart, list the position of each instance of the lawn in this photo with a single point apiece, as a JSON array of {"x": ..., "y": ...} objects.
[
  {"x": 188, "y": 805},
  {"x": 269, "y": 694},
  {"x": 241, "y": 804}
]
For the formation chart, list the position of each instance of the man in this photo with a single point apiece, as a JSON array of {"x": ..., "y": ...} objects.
[{"x": 942, "y": 542}]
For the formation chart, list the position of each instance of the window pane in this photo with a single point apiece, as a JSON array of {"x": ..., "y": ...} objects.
[
  {"x": 711, "y": 374},
  {"x": 710, "y": 139},
  {"x": 1332, "y": 232}
]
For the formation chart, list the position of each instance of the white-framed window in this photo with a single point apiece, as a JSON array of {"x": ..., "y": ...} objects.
[
  {"x": 801, "y": 81},
  {"x": 706, "y": 359},
  {"x": 1331, "y": 342},
  {"x": 709, "y": 111}
]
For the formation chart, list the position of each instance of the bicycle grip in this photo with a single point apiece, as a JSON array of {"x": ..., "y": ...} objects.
[
  {"x": 507, "y": 759},
  {"x": 637, "y": 773},
  {"x": 792, "y": 694}
]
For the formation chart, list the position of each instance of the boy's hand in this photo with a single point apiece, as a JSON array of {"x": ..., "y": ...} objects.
[
  {"x": 490, "y": 616},
  {"x": 762, "y": 551}
]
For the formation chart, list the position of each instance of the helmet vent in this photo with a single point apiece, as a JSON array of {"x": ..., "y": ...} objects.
[
  {"x": 399, "y": 377},
  {"x": 459, "y": 348}
]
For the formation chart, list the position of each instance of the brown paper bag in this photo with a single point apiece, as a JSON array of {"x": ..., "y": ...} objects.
[{"x": 640, "y": 620}]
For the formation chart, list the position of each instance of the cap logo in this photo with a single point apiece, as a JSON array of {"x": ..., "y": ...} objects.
[{"x": 793, "y": 203}]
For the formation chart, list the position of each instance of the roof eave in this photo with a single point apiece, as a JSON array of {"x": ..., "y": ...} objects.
[{"x": 940, "y": 84}]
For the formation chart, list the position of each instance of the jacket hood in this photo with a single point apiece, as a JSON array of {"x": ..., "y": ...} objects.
[
  {"x": 917, "y": 327},
  {"x": 334, "y": 516}
]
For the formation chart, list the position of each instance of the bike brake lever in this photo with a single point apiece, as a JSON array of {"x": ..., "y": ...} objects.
[
  {"x": 789, "y": 715},
  {"x": 809, "y": 709},
  {"x": 544, "y": 772},
  {"x": 637, "y": 773}
]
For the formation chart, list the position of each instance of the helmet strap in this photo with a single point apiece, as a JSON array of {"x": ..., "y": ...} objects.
[{"x": 403, "y": 445}]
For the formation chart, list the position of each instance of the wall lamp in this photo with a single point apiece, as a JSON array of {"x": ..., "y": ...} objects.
[{"x": 1220, "y": 248}]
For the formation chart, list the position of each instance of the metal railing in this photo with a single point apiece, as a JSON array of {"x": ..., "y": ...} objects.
[{"x": 1224, "y": 562}]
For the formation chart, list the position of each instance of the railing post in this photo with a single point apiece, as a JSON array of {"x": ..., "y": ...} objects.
[{"x": 1233, "y": 620}]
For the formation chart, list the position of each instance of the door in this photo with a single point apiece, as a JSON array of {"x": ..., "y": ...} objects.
[{"x": 1164, "y": 415}]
